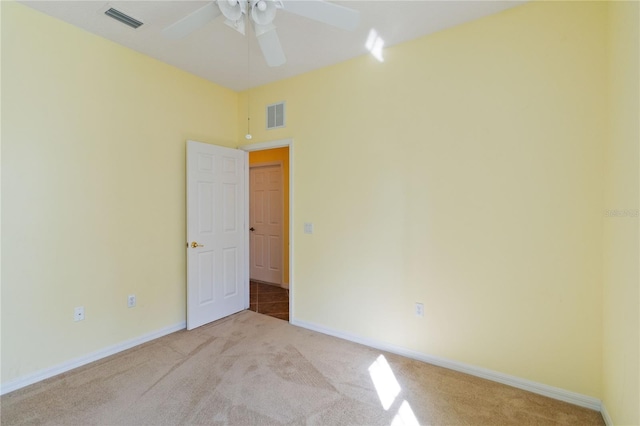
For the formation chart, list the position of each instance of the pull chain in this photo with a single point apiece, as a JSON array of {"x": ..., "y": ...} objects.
[{"x": 248, "y": 25}]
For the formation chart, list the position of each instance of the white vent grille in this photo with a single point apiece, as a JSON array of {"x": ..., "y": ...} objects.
[
  {"x": 123, "y": 17},
  {"x": 275, "y": 116}
]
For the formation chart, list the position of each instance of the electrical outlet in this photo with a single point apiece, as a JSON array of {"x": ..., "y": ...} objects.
[
  {"x": 419, "y": 309},
  {"x": 78, "y": 313},
  {"x": 131, "y": 301}
]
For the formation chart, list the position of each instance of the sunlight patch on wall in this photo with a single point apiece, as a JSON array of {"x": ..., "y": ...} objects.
[{"x": 375, "y": 44}]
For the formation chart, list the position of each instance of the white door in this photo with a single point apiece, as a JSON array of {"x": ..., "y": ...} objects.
[
  {"x": 265, "y": 219},
  {"x": 216, "y": 233}
]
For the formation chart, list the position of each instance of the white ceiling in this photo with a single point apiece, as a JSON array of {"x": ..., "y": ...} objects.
[{"x": 219, "y": 54}]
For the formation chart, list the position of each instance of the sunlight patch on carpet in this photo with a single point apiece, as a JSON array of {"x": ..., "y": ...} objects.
[
  {"x": 385, "y": 381},
  {"x": 388, "y": 390},
  {"x": 405, "y": 416}
]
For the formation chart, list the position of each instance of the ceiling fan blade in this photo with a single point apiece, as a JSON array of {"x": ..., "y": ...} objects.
[
  {"x": 271, "y": 47},
  {"x": 192, "y": 22},
  {"x": 325, "y": 12}
]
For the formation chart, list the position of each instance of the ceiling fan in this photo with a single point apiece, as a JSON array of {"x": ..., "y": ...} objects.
[{"x": 261, "y": 14}]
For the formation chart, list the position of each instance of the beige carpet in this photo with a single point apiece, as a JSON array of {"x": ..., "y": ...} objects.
[{"x": 251, "y": 369}]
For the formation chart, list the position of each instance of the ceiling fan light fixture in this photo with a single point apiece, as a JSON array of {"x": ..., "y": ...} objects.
[
  {"x": 263, "y": 12},
  {"x": 231, "y": 9}
]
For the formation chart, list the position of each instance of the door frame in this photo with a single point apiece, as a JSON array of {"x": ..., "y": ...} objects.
[{"x": 261, "y": 146}]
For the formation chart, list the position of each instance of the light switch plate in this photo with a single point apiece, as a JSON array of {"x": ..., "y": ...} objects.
[{"x": 308, "y": 228}]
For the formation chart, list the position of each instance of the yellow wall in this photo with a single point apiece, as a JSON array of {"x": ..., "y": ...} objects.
[
  {"x": 93, "y": 188},
  {"x": 279, "y": 154},
  {"x": 0, "y": 189},
  {"x": 464, "y": 172},
  {"x": 621, "y": 299}
]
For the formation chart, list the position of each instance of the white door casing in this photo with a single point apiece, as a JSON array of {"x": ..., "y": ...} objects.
[
  {"x": 265, "y": 218},
  {"x": 216, "y": 204},
  {"x": 289, "y": 143}
]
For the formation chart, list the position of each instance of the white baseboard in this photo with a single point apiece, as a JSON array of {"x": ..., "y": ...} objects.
[
  {"x": 285, "y": 285},
  {"x": 516, "y": 382},
  {"x": 43, "y": 374},
  {"x": 605, "y": 415}
]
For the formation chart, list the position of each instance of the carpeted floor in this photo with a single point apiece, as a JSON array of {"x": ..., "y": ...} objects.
[{"x": 251, "y": 369}]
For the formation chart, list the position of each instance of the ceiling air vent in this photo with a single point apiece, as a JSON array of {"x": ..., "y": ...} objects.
[
  {"x": 125, "y": 19},
  {"x": 275, "y": 115}
]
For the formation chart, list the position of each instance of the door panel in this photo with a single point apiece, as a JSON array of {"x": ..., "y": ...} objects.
[
  {"x": 275, "y": 248},
  {"x": 216, "y": 280},
  {"x": 265, "y": 217}
]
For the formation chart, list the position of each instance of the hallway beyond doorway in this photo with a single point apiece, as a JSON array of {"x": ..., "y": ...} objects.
[{"x": 269, "y": 299}]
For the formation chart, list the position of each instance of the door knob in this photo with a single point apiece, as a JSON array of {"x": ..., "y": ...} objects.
[
  {"x": 252, "y": 229},
  {"x": 194, "y": 245}
]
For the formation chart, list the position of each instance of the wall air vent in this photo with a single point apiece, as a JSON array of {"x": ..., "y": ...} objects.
[
  {"x": 125, "y": 19},
  {"x": 275, "y": 116}
]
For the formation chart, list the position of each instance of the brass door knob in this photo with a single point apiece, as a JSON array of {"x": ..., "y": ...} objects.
[{"x": 194, "y": 245}]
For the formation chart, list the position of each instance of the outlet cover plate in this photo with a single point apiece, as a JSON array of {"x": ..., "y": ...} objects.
[{"x": 78, "y": 313}]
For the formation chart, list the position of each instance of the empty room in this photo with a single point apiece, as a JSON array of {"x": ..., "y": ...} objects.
[{"x": 456, "y": 237}]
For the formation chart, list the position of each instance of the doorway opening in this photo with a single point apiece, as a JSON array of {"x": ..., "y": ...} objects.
[{"x": 269, "y": 218}]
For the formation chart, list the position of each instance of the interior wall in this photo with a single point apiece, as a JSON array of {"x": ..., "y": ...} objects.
[
  {"x": 464, "y": 172},
  {"x": 93, "y": 188},
  {"x": 279, "y": 154},
  {"x": 621, "y": 297}
]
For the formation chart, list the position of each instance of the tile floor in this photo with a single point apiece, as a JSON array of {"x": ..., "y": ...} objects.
[{"x": 269, "y": 299}]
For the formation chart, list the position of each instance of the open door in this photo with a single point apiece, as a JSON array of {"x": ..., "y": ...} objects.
[{"x": 216, "y": 233}]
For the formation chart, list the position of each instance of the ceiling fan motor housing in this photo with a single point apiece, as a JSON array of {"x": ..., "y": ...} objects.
[{"x": 262, "y": 11}]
